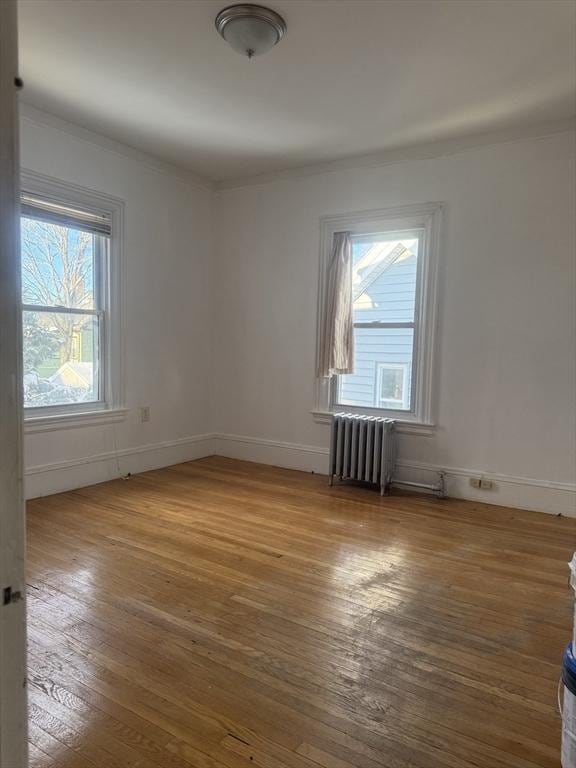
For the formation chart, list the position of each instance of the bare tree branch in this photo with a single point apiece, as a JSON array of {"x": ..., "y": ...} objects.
[{"x": 57, "y": 265}]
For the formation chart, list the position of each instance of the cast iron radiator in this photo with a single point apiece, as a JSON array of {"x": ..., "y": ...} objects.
[{"x": 363, "y": 448}]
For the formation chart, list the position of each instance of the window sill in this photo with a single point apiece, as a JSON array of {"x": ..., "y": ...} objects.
[
  {"x": 404, "y": 427},
  {"x": 74, "y": 420}
]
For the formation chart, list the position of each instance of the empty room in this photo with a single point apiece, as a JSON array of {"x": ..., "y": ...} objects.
[{"x": 288, "y": 384}]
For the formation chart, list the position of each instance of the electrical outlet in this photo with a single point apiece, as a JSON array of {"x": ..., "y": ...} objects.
[
  {"x": 475, "y": 482},
  {"x": 144, "y": 413},
  {"x": 486, "y": 485}
]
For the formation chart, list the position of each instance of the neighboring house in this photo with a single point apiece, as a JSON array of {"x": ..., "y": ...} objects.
[
  {"x": 384, "y": 289},
  {"x": 81, "y": 351},
  {"x": 76, "y": 375}
]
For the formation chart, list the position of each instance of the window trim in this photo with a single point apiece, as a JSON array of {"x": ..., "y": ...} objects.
[
  {"x": 426, "y": 217},
  {"x": 111, "y": 407}
]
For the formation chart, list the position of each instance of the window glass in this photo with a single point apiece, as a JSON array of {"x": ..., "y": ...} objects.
[
  {"x": 384, "y": 288},
  {"x": 57, "y": 265},
  {"x": 60, "y": 358},
  {"x": 61, "y": 320}
]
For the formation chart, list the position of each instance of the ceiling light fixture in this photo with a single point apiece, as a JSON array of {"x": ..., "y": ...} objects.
[{"x": 250, "y": 29}]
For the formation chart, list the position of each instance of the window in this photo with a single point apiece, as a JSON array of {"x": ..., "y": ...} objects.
[
  {"x": 70, "y": 291},
  {"x": 63, "y": 267},
  {"x": 385, "y": 268},
  {"x": 394, "y": 254},
  {"x": 393, "y": 386}
]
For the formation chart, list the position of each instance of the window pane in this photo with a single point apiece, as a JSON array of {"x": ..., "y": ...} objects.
[
  {"x": 384, "y": 280},
  {"x": 383, "y": 369},
  {"x": 57, "y": 265},
  {"x": 60, "y": 358}
]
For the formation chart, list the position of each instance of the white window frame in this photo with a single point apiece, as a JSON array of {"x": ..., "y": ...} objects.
[
  {"x": 427, "y": 218},
  {"x": 110, "y": 405}
]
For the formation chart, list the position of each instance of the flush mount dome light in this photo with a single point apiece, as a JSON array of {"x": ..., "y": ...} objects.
[{"x": 250, "y": 29}]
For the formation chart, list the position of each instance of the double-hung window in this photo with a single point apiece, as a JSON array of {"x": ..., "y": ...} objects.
[
  {"x": 70, "y": 312},
  {"x": 394, "y": 267},
  {"x": 384, "y": 280}
]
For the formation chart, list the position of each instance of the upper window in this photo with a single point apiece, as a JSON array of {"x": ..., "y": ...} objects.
[
  {"x": 394, "y": 258},
  {"x": 69, "y": 312}
]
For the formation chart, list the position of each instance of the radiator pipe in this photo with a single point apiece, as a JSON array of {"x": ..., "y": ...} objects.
[{"x": 439, "y": 489}]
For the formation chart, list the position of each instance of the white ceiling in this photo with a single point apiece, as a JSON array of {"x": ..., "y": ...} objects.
[{"x": 350, "y": 77}]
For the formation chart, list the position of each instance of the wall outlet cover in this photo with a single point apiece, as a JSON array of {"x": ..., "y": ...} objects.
[{"x": 145, "y": 413}]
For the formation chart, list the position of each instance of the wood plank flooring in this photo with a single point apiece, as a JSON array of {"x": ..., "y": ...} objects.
[{"x": 220, "y": 614}]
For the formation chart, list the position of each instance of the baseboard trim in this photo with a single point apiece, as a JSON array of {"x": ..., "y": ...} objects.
[
  {"x": 55, "y": 477},
  {"x": 307, "y": 458},
  {"x": 509, "y": 490},
  {"x": 528, "y": 493}
]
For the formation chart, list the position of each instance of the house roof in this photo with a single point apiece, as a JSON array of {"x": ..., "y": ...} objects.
[
  {"x": 83, "y": 372},
  {"x": 377, "y": 260}
]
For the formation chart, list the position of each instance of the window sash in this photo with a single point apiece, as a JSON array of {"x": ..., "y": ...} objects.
[
  {"x": 336, "y": 381},
  {"x": 99, "y": 311},
  {"x": 99, "y": 362},
  {"x": 61, "y": 310},
  {"x": 100, "y": 259}
]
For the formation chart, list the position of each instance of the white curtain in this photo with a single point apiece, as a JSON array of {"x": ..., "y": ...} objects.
[{"x": 336, "y": 353}]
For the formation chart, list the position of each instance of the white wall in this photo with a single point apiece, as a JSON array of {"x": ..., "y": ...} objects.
[
  {"x": 167, "y": 345},
  {"x": 221, "y": 315},
  {"x": 506, "y": 387}
]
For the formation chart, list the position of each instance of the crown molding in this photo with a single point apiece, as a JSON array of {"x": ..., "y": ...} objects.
[
  {"x": 412, "y": 152},
  {"x": 409, "y": 153},
  {"x": 31, "y": 114}
]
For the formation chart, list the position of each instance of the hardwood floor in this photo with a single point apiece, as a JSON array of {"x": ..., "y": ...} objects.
[{"x": 220, "y": 614}]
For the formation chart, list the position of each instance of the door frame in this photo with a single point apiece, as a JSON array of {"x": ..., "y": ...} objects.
[{"x": 13, "y": 698}]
